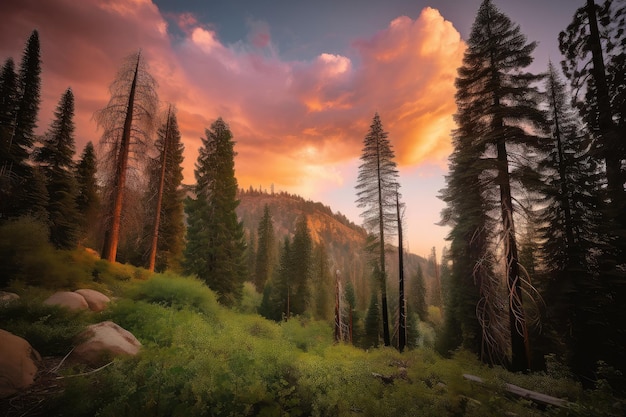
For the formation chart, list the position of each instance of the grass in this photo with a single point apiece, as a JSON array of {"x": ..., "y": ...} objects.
[{"x": 201, "y": 359}]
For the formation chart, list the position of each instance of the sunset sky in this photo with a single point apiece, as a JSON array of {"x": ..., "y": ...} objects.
[{"x": 297, "y": 81}]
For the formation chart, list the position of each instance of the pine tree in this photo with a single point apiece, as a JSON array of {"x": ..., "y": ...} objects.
[
  {"x": 216, "y": 246},
  {"x": 15, "y": 169},
  {"x": 300, "y": 275},
  {"x": 8, "y": 106},
  {"x": 128, "y": 122},
  {"x": 87, "y": 198},
  {"x": 416, "y": 295},
  {"x": 322, "y": 283},
  {"x": 376, "y": 187},
  {"x": 498, "y": 91},
  {"x": 165, "y": 198},
  {"x": 594, "y": 48},
  {"x": 372, "y": 322},
  {"x": 55, "y": 158},
  {"x": 266, "y": 250}
]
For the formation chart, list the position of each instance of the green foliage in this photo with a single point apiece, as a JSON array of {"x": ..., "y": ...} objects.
[
  {"x": 215, "y": 240},
  {"x": 55, "y": 159},
  {"x": 49, "y": 329},
  {"x": 174, "y": 291}
]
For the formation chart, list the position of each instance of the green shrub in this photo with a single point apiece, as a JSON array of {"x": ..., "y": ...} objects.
[
  {"x": 174, "y": 291},
  {"x": 49, "y": 329}
]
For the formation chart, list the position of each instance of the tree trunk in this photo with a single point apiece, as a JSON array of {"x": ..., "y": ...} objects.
[
  {"x": 608, "y": 130},
  {"x": 520, "y": 358},
  {"x": 157, "y": 216},
  {"x": 401, "y": 300},
  {"x": 383, "y": 272},
  {"x": 113, "y": 234}
]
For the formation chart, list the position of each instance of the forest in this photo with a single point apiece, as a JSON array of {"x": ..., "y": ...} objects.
[{"x": 249, "y": 302}]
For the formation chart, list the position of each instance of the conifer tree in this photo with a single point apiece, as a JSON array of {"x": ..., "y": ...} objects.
[
  {"x": 165, "y": 198},
  {"x": 594, "y": 50},
  {"x": 321, "y": 279},
  {"x": 416, "y": 294},
  {"x": 55, "y": 158},
  {"x": 216, "y": 246},
  {"x": 87, "y": 198},
  {"x": 8, "y": 106},
  {"x": 376, "y": 187},
  {"x": 127, "y": 122},
  {"x": 266, "y": 250},
  {"x": 372, "y": 322},
  {"x": 500, "y": 105},
  {"x": 300, "y": 275},
  {"x": 16, "y": 147}
]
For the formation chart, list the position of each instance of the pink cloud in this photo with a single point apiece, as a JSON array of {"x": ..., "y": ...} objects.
[{"x": 292, "y": 120}]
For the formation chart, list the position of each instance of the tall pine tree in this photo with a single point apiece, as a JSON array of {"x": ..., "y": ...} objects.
[
  {"x": 215, "y": 238},
  {"x": 165, "y": 198},
  {"x": 55, "y": 158},
  {"x": 87, "y": 198},
  {"x": 16, "y": 172},
  {"x": 266, "y": 250},
  {"x": 377, "y": 185},
  {"x": 500, "y": 103}
]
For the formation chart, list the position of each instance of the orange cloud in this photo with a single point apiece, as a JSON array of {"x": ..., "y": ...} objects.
[{"x": 293, "y": 121}]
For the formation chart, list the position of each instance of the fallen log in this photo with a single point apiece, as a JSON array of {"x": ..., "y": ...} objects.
[{"x": 525, "y": 393}]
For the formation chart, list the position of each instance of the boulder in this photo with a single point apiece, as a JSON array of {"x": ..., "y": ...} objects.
[
  {"x": 17, "y": 363},
  {"x": 98, "y": 342},
  {"x": 68, "y": 299},
  {"x": 95, "y": 299},
  {"x": 7, "y": 298}
]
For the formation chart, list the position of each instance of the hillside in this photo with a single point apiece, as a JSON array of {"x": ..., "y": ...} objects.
[{"x": 343, "y": 240}]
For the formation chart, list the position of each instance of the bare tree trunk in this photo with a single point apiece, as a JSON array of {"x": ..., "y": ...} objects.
[
  {"x": 113, "y": 234},
  {"x": 401, "y": 300},
  {"x": 383, "y": 271},
  {"x": 157, "y": 216},
  {"x": 520, "y": 348}
]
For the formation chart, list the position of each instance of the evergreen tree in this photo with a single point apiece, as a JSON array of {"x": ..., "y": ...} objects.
[
  {"x": 594, "y": 48},
  {"x": 416, "y": 295},
  {"x": 502, "y": 97},
  {"x": 372, "y": 323},
  {"x": 377, "y": 185},
  {"x": 266, "y": 250},
  {"x": 572, "y": 236},
  {"x": 127, "y": 121},
  {"x": 216, "y": 245},
  {"x": 165, "y": 198},
  {"x": 300, "y": 275},
  {"x": 15, "y": 169},
  {"x": 8, "y": 106},
  {"x": 55, "y": 157},
  {"x": 87, "y": 198},
  {"x": 322, "y": 283}
]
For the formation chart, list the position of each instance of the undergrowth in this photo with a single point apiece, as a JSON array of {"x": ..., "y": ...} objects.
[{"x": 201, "y": 359}]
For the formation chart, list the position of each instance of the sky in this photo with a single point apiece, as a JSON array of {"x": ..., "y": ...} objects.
[{"x": 298, "y": 82}]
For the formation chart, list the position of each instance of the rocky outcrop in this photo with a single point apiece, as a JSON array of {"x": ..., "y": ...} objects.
[
  {"x": 99, "y": 342},
  {"x": 18, "y": 363},
  {"x": 95, "y": 299},
  {"x": 68, "y": 299},
  {"x": 7, "y": 298}
]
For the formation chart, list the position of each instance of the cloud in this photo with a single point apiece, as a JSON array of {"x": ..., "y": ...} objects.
[{"x": 294, "y": 121}]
